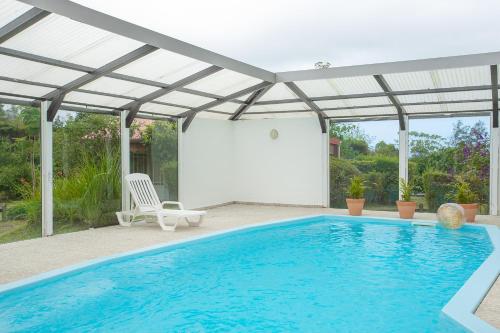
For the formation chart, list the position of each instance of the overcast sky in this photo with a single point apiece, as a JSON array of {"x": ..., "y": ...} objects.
[{"x": 281, "y": 35}]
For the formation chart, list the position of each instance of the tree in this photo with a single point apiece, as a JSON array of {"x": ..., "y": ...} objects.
[{"x": 386, "y": 149}]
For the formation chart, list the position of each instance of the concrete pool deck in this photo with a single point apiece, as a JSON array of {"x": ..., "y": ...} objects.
[{"x": 27, "y": 258}]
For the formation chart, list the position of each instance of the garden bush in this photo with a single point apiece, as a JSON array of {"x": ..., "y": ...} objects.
[
  {"x": 341, "y": 172},
  {"x": 437, "y": 187}
]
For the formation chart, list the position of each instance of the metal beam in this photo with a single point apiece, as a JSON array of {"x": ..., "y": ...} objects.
[
  {"x": 21, "y": 23},
  {"x": 303, "y": 97},
  {"x": 494, "y": 94},
  {"x": 254, "y": 97},
  {"x": 190, "y": 114},
  {"x": 135, "y": 106},
  {"x": 461, "y": 113},
  {"x": 112, "y": 24},
  {"x": 471, "y": 60},
  {"x": 394, "y": 100},
  {"x": 54, "y": 107},
  {"x": 44, "y": 60},
  {"x": 380, "y": 94}
]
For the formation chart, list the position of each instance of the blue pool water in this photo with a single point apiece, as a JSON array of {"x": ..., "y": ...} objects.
[{"x": 324, "y": 274}]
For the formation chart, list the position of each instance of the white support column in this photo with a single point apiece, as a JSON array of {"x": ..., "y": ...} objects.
[
  {"x": 46, "y": 165},
  {"x": 403, "y": 152},
  {"x": 326, "y": 165},
  {"x": 125, "y": 158},
  {"x": 494, "y": 171},
  {"x": 180, "y": 160}
]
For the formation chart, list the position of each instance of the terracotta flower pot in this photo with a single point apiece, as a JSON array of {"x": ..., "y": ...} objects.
[
  {"x": 406, "y": 209},
  {"x": 355, "y": 206},
  {"x": 470, "y": 211}
]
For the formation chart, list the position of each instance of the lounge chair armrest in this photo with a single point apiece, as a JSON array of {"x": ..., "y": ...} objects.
[{"x": 179, "y": 204}]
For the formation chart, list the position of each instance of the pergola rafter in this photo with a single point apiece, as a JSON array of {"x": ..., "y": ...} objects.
[
  {"x": 192, "y": 113},
  {"x": 394, "y": 100},
  {"x": 303, "y": 97},
  {"x": 136, "y": 105},
  {"x": 251, "y": 100},
  {"x": 494, "y": 94},
  {"x": 21, "y": 23}
]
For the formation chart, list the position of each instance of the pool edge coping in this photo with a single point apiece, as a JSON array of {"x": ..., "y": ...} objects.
[{"x": 460, "y": 308}]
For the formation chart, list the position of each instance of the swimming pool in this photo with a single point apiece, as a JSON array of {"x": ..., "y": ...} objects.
[{"x": 319, "y": 274}]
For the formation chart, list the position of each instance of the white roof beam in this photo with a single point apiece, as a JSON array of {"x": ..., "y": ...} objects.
[{"x": 481, "y": 59}]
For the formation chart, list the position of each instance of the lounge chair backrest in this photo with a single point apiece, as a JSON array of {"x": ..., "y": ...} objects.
[{"x": 142, "y": 191}]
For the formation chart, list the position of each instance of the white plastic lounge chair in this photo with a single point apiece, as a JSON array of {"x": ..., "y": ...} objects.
[{"x": 148, "y": 205}]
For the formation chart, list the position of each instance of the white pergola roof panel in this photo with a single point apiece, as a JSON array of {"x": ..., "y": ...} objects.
[
  {"x": 340, "y": 86},
  {"x": 177, "y": 97},
  {"x": 10, "y": 10},
  {"x": 277, "y": 92},
  {"x": 353, "y": 102},
  {"x": 452, "y": 107},
  {"x": 163, "y": 66},
  {"x": 213, "y": 115},
  {"x": 445, "y": 78},
  {"x": 89, "y": 99},
  {"x": 250, "y": 116},
  {"x": 60, "y": 38},
  {"x": 388, "y": 110},
  {"x": 226, "y": 107},
  {"x": 466, "y": 95},
  {"x": 224, "y": 83},
  {"x": 161, "y": 109},
  {"x": 120, "y": 87},
  {"x": 278, "y": 107},
  {"x": 23, "y": 89},
  {"x": 37, "y": 72}
]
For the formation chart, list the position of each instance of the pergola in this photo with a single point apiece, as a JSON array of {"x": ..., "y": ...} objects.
[{"x": 60, "y": 55}]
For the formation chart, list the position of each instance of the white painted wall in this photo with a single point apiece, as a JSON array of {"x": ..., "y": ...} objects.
[
  {"x": 288, "y": 170},
  {"x": 223, "y": 161},
  {"x": 206, "y": 162}
]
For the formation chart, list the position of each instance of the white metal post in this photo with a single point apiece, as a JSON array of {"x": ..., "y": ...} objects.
[
  {"x": 326, "y": 164},
  {"x": 180, "y": 164},
  {"x": 125, "y": 158},
  {"x": 403, "y": 153},
  {"x": 494, "y": 171},
  {"x": 46, "y": 165}
]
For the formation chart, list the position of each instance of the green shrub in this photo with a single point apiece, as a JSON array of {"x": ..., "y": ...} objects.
[
  {"x": 381, "y": 175},
  {"x": 437, "y": 185},
  {"x": 341, "y": 171},
  {"x": 356, "y": 189},
  {"x": 464, "y": 194},
  {"x": 406, "y": 189}
]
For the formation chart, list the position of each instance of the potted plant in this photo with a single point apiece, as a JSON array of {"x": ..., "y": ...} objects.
[
  {"x": 406, "y": 207},
  {"x": 355, "y": 196},
  {"x": 466, "y": 198}
]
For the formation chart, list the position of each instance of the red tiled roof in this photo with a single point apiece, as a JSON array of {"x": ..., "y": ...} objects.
[{"x": 335, "y": 141}]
